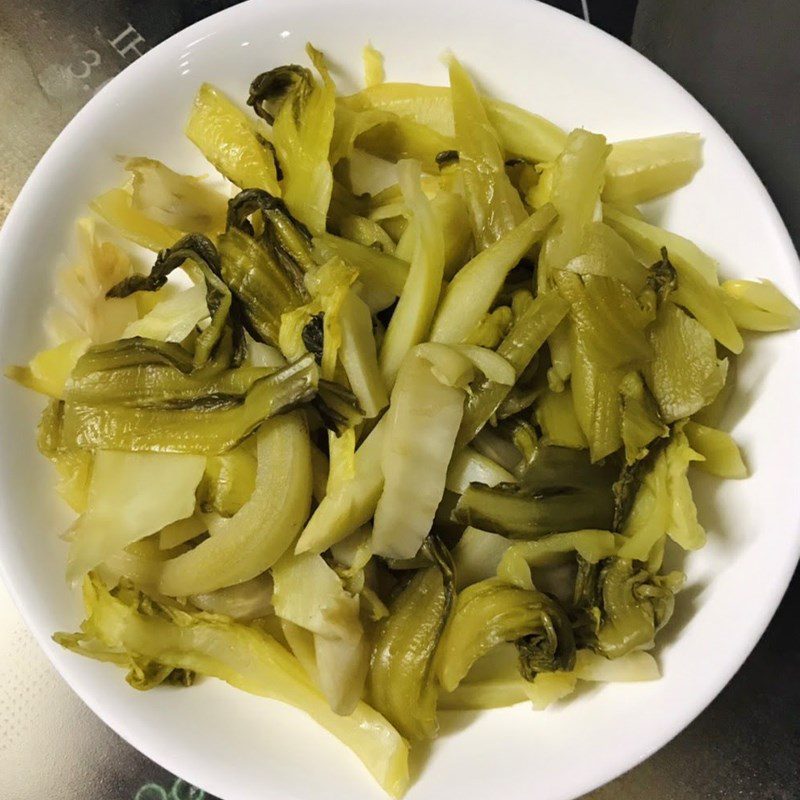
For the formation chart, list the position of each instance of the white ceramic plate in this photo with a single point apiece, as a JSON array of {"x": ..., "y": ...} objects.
[{"x": 243, "y": 748}]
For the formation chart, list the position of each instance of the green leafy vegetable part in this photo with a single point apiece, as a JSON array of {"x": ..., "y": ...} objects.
[
  {"x": 641, "y": 422},
  {"x": 491, "y": 612},
  {"x": 698, "y": 290},
  {"x": 559, "y": 490},
  {"x": 202, "y": 252},
  {"x": 595, "y": 396},
  {"x": 555, "y": 414},
  {"x": 263, "y": 286},
  {"x": 606, "y": 319},
  {"x": 380, "y": 271},
  {"x": 208, "y": 426},
  {"x": 270, "y": 90},
  {"x": 282, "y": 234},
  {"x": 313, "y": 335},
  {"x": 662, "y": 503},
  {"x": 685, "y": 374},
  {"x": 302, "y": 133},
  {"x": 525, "y": 514},
  {"x": 557, "y": 548},
  {"x": 604, "y": 253},
  {"x": 662, "y": 278},
  {"x": 629, "y": 605},
  {"x": 402, "y": 679}
]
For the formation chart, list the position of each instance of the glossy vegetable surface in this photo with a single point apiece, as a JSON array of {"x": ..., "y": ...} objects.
[{"x": 405, "y": 412}]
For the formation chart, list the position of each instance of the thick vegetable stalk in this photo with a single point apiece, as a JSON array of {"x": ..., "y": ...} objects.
[
  {"x": 252, "y": 540},
  {"x": 491, "y": 612},
  {"x": 358, "y": 356},
  {"x": 641, "y": 169},
  {"x": 477, "y": 555},
  {"x": 721, "y": 456},
  {"x": 131, "y": 495},
  {"x": 241, "y": 655},
  {"x": 180, "y": 201},
  {"x": 494, "y": 204},
  {"x": 760, "y": 306},
  {"x": 117, "y": 209},
  {"x": 475, "y": 286},
  {"x": 309, "y": 594},
  {"x": 451, "y": 211},
  {"x": 229, "y": 479},
  {"x": 173, "y": 317},
  {"x": 595, "y": 395},
  {"x": 422, "y": 424},
  {"x": 412, "y": 317},
  {"x": 522, "y": 133},
  {"x": 577, "y": 180},
  {"x": 402, "y": 679},
  {"x": 302, "y": 133},
  {"x": 244, "y": 602},
  {"x": 209, "y": 426},
  {"x": 353, "y": 503},
  {"x": 394, "y": 138},
  {"x": 49, "y": 370},
  {"x": 378, "y": 271},
  {"x": 528, "y": 334},
  {"x": 469, "y": 466},
  {"x": 224, "y": 135}
]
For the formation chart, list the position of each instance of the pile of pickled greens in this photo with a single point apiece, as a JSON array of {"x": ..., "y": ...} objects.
[{"x": 375, "y": 453}]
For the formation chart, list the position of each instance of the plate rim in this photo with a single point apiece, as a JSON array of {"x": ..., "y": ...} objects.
[{"x": 207, "y": 27}]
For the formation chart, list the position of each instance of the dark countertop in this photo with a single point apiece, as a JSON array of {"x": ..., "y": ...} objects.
[{"x": 740, "y": 60}]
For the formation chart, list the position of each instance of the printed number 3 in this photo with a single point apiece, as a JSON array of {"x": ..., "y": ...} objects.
[{"x": 87, "y": 66}]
